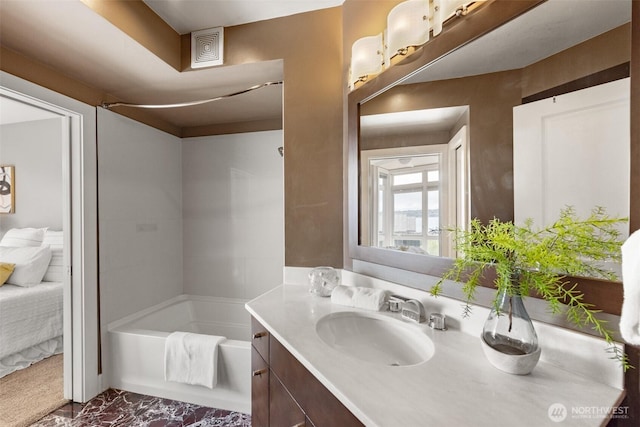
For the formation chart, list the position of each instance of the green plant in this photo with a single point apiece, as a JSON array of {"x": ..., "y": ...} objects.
[{"x": 542, "y": 259}]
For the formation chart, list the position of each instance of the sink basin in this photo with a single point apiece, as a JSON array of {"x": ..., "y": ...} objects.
[{"x": 375, "y": 339}]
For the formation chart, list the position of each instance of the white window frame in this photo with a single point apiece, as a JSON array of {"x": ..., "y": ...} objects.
[{"x": 369, "y": 193}]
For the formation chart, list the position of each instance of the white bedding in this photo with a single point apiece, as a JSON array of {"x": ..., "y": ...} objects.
[{"x": 29, "y": 316}]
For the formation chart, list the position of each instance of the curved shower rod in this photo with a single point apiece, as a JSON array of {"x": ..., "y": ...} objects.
[{"x": 108, "y": 105}]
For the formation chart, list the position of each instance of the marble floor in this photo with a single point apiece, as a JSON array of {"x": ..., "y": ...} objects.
[{"x": 116, "y": 408}]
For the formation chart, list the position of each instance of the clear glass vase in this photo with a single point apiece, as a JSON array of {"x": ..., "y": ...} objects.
[{"x": 508, "y": 328}]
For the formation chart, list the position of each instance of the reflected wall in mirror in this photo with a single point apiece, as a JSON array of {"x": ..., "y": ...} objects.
[{"x": 543, "y": 56}]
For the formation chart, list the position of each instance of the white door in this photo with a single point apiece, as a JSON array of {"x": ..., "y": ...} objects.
[
  {"x": 458, "y": 189},
  {"x": 573, "y": 149}
]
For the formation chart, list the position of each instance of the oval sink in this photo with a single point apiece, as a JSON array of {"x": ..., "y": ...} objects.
[{"x": 374, "y": 339}]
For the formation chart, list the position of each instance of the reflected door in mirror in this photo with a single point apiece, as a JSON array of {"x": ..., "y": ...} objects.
[{"x": 591, "y": 128}]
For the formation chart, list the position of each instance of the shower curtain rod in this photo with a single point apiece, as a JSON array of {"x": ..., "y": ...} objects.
[{"x": 109, "y": 105}]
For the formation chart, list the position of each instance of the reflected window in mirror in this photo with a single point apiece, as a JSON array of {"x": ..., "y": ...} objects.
[
  {"x": 404, "y": 209},
  {"x": 414, "y": 179}
]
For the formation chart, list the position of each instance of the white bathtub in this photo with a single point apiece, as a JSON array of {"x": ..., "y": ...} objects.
[{"x": 136, "y": 350}]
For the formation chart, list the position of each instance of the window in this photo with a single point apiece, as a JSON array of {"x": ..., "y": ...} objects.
[{"x": 407, "y": 203}]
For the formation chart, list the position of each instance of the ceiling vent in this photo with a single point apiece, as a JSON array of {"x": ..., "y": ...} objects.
[{"x": 207, "y": 47}]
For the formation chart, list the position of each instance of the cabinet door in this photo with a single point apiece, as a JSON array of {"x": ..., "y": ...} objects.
[
  {"x": 322, "y": 407},
  {"x": 260, "y": 339},
  {"x": 283, "y": 410},
  {"x": 259, "y": 390}
]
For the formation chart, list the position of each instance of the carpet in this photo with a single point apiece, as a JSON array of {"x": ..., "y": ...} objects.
[{"x": 29, "y": 394}]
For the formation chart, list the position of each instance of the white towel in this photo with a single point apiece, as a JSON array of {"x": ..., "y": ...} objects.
[
  {"x": 630, "y": 317},
  {"x": 192, "y": 358},
  {"x": 353, "y": 296}
]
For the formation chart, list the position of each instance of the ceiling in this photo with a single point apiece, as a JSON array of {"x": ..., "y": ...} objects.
[
  {"x": 193, "y": 15},
  {"x": 411, "y": 122},
  {"x": 71, "y": 38}
]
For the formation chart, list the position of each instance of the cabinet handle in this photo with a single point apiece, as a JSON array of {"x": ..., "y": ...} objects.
[
  {"x": 259, "y": 372},
  {"x": 259, "y": 335}
]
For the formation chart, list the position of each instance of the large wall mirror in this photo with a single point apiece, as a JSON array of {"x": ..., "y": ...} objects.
[{"x": 520, "y": 122}]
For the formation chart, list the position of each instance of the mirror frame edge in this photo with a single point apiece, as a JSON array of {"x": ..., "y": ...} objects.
[{"x": 606, "y": 296}]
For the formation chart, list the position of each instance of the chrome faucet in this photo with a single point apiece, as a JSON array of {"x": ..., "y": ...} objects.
[
  {"x": 410, "y": 309},
  {"x": 413, "y": 310}
]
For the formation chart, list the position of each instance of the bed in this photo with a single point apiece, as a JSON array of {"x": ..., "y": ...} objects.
[
  {"x": 30, "y": 324},
  {"x": 31, "y": 320}
]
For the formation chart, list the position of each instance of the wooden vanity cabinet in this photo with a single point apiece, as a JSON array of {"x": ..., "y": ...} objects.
[
  {"x": 284, "y": 393},
  {"x": 283, "y": 409},
  {"x": 259, "y": 390}
]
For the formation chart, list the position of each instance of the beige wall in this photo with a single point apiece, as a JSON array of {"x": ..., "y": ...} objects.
[
  {"x": 491, "y": 98},
  {"x": 599, "y": 53},
  {"x": 315, "y": 62},
  {"x": 311, "y": 46}
]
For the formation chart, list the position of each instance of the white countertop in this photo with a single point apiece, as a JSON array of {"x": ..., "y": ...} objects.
[{"x": 456, "y": 387}]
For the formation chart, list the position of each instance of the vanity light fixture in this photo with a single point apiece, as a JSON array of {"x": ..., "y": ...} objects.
[
  {"x": 445, "y": 9},
  {"x": 407, "y": 26},
  {"x": 367, "y": 58}
]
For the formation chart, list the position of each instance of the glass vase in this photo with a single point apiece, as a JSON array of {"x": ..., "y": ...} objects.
[
  {"x": 508, "y": 328},
  {"x": 509, "y": 338}
]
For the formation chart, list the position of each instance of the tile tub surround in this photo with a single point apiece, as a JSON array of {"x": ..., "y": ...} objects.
[
  {"x": 453, "y": 388},
  {"x": 122, "y": 408}
]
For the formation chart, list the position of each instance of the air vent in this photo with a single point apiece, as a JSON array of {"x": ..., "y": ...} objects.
[{"x": 207, "y": 47}]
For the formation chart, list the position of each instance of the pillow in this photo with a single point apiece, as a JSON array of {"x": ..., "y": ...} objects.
[
  {"x": 21, "y": 237},
  {"x": 55, "y": 241},
  {"x": 30, "y": 264},
  {"x": 5, "y": 271}
]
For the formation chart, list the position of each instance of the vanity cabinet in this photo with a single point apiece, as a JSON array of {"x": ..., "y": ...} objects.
[
  {"x": 284, "y": 393},
  {"x": 259, "y": 390}
]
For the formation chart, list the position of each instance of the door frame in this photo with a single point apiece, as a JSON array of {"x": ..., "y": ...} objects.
[{"x": 82, "y": 378}]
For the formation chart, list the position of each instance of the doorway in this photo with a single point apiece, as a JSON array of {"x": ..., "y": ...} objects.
[
  {"x": 77, "y": 131},
  {"x": 35, "y": 336}
]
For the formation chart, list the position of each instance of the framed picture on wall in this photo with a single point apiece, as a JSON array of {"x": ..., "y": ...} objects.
[{"x": 7, "y": 189}]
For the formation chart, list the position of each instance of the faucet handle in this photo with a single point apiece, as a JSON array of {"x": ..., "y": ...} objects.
[
  {"x": 395, "y": 303},
  {"x": 437, "y": 321},
  {"x": 413, "y": 310}
]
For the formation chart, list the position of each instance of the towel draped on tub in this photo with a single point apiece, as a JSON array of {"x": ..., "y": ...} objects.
[{"x": 192, "y": 358}]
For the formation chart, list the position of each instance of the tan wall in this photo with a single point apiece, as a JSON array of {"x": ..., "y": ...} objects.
[
  {"x": 374, "y": 142},
  {"x": 599, "y": 53},
  {"x": 311, "y": 46},
  {"x": 315, "y": 61},
  {"x": 491, "y": 98}
]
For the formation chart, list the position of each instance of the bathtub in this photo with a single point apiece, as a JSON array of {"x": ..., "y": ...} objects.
[{"x": 136, "y": 350}]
